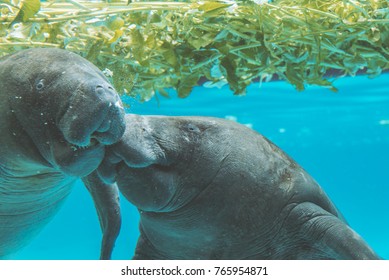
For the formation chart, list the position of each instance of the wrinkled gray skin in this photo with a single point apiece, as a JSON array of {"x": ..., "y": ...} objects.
[
  {"x": 209, "y": 188},
  {"x": 57, "y": 113}
]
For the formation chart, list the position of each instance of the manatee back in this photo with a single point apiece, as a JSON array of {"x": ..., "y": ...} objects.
[{"x": 275, "y": 167}]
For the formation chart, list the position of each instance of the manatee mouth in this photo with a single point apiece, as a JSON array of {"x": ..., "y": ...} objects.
[
  {"x": 92, "y": 143},
  {"x": 73, "y": 159}
]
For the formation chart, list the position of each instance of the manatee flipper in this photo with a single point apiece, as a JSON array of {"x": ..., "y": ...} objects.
[
  {"x": 106, "y": 200},
  {"x": 327, "y": 231}
]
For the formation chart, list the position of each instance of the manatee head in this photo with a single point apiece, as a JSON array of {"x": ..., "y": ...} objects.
[
  {"x": 66, "y": 105},
  {"x": 162, "y": 163}
]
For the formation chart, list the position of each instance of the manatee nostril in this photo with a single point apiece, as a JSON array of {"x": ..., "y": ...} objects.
[
  {"x": 100, "y": 90},
  {"x": 105, "y": 89}
]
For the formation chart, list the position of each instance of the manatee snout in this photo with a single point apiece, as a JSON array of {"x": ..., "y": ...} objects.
[
  {"x": 138, "y": 148},
  {"x": 113, "y": 125},
  {"x": 95, "y": 111}
]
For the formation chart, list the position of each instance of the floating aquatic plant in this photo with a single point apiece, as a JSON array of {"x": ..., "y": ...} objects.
[{"x": 148, "y": 47}]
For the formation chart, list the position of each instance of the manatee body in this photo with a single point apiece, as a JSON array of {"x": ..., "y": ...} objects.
[
  {"x": 208, "y": 188},
  {"x": 57, "y": 113}
]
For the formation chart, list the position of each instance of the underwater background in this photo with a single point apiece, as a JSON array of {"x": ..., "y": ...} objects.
[{"x": 341, "y": 139}]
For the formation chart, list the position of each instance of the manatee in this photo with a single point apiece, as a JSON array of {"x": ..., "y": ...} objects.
[
  {"x": 209, "y": 188},
  {"x": 57, "y": 114}
]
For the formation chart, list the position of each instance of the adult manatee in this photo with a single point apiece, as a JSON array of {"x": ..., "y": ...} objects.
[
  {"x": 209, "y": 188},
  {"x": 57, "y": 113}
]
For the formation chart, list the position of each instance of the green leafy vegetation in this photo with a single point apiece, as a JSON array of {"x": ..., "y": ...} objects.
[
  {"x": 148, "y": 47},
  {"x": 27, "y": 10}
]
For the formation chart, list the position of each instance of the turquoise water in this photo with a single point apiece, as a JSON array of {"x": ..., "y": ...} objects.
[{"x": 341, "y": 139}]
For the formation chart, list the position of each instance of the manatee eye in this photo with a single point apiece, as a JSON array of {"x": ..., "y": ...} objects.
[
  {"x": 40, "y": 85},
  {"x": 192, "y": 127}
]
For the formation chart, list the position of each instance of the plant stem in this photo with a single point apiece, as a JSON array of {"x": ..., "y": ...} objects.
[
  {"x": 100, "y": 13},
  {"x": 30, "y": 43}
]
